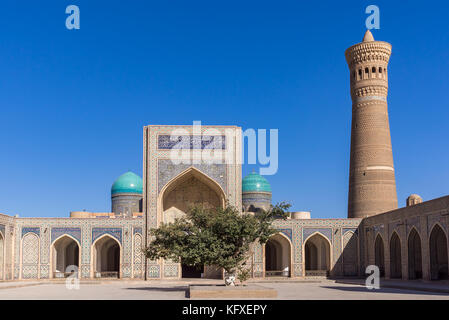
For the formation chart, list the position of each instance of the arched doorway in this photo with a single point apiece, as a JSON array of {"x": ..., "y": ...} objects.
[
  {"x": 395, "y": 257},
  {"x": 191, "y": 271},
  {"x": 438, "y": 254},
  {"x": 188, "y": 189},
  {"x": 414, "y": 255},
  {"x": 317, "y": 256},
  {"x": 106, "y": 257},
  {"x": 277, "y": 256},
  {"x": 379, "y": 255},
  {"x": 64, "y": 253}
]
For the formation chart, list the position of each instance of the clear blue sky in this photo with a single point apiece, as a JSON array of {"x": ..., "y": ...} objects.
[{"x": 73, "y": 103}]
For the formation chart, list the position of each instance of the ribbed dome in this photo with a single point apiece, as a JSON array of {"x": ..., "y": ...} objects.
[
  {"x": 128, "y": 182},
  {"x": 255, "y": 182}
]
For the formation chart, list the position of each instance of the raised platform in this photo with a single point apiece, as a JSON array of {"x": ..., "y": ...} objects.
[{"x": 223, "y": 292}]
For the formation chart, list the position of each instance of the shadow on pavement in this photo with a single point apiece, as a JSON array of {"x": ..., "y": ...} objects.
[
  {"x": 385, "y": 290},
  {"x": 164, "y": 289}
]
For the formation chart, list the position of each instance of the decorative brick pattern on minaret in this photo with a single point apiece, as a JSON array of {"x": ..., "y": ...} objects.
[{"x": 372, "y": 186}]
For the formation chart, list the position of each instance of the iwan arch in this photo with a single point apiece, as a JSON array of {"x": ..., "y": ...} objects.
[{"x": 406, "y": 243}]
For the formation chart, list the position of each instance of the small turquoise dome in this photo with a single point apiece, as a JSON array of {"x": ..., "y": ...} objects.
[
  {"x": 254, "y": 182},
  {"x": 128, "y": 182}
]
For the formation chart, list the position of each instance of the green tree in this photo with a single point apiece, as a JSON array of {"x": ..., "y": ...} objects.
[{"x": 219, "y": 237}]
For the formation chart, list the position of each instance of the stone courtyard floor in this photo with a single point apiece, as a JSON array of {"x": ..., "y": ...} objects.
[{"x": 141, "y": 290}]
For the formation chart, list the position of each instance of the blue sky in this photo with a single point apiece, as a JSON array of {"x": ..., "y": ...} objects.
[{"x": 74, "y": 102}]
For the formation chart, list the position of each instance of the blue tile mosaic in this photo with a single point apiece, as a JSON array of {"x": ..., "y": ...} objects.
[
  {"x": 35, "y": 230},
  {"x": 327, "y": 232},
  {"x": 168, "y": 142},
  {"x": 287, "y": 232},
  {"x": 74, "y": 232},
  {"x": 115, "y": 232}
]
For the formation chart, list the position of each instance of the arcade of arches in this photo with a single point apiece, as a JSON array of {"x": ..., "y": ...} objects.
[{"x": 437, "y": 255}]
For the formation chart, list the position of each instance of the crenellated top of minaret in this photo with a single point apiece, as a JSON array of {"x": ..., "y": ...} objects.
[{"x": 368, "y": 51}]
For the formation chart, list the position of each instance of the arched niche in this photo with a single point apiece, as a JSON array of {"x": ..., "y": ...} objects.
[
  {"x": 317, "y": 256},
  {"x": 379, "y": 254},
  {"x": 395, "y": 257},
  {"x": 190, "y": 188},
  {"x": 106, "y": 257},
  {"x": 278, "y": 256},
  {"x": 65, "y": 252},
  {"x": 438, "y": 253},
  {"x": 414, "y": 255}
]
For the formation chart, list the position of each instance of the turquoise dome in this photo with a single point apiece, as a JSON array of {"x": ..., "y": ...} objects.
[
  {"x": 254, "y": 182},
  {"x": 128, "y": 182}
]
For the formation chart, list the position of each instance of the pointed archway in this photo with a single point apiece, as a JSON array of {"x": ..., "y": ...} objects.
[
  {"x": 379, "y": 255},
  {"x": 317, "y": 255},
  {"x": 414, "y": 255},
  {"x": 188, "y": 189},
  {"x": 106, "y": 257},
  {"x": 438, "y": 254},
  {"x": 65, "y": 255},
  {"x": 278, "y": 256},
  {"x": 395, "y": 257},
  {"x": 350, "y": 254}
]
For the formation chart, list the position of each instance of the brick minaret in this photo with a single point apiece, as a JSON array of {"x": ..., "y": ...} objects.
[{"x": 372, "y": 186}]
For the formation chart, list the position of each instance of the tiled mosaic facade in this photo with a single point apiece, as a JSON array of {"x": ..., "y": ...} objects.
[
  {"x": 32, "y": 256},
  {"x": 163, "y": 165},
  {"x": 26, "y": 243}
]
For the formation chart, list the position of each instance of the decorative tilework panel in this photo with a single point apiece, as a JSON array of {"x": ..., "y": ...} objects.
[
  {"x": 154, "y": 271},
  {"x": 171, "y": 270},
  {"x": 35, "y": 230},
  {"x": 287, "y": 232},
  {"x": 30, "y": 249},
  {"x": 168, "y": 142},
  {"x": 115, "y": 232},
  {"x": 30, "y": 256},
  {"x": 74, "y": 232},
  {"x": 327, "y": 232},
  {"x": 167, "y": 170},
  {"x": 45, "y": 271}
]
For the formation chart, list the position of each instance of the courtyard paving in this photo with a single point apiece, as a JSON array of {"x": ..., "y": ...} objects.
[{"x": 140, "y": 290}]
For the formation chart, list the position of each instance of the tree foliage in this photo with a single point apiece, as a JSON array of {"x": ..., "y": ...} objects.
[{"x": 219, "y": 237}]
